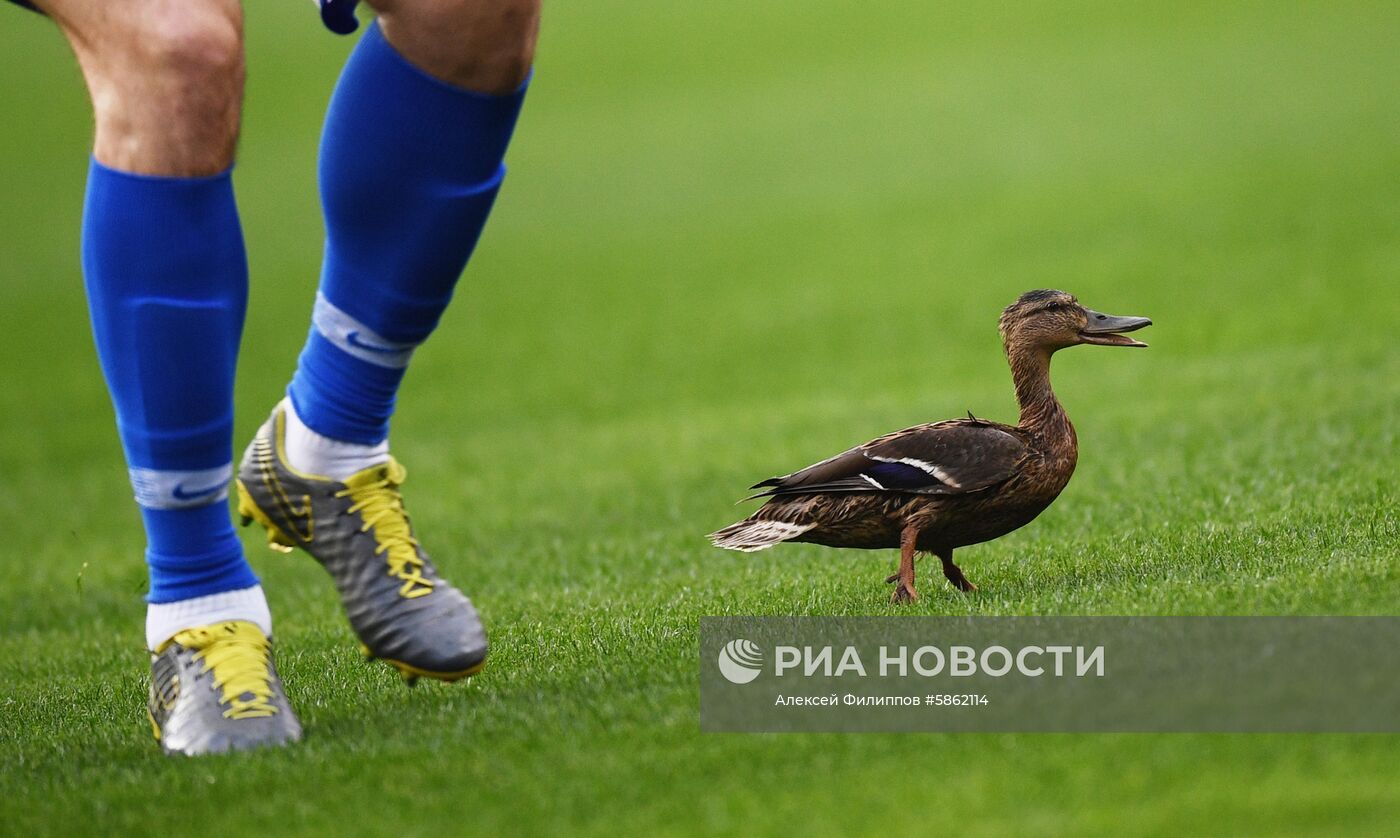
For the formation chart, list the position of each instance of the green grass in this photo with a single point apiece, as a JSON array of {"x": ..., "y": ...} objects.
[{"x": 736, "y": 238}]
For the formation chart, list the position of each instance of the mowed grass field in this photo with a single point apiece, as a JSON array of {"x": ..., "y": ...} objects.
[{"x": 737, "y": 238}]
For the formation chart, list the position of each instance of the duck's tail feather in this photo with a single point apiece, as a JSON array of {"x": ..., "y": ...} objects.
[{"x": 749, "y": 535}]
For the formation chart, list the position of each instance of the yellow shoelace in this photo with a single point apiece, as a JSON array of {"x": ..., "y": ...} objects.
[
  {"x": 381, "y": 506},
  {"x": 237, "y": 654}
]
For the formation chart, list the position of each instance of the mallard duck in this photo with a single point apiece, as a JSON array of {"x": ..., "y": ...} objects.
[{"x": 937, "y": 487}]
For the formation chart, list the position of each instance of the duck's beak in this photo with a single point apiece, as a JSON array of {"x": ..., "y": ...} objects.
[{"x": 1108, "y": 329}]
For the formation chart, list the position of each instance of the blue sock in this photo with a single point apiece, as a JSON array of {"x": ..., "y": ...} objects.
[
  {"x": 167, "y": 284},
  {"x": 410, "y": 166}
]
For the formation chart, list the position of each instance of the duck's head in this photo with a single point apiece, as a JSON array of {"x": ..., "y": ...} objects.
[{"x": 1052, "y": 320}]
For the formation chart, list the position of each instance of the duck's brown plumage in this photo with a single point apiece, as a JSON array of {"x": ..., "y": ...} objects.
[{"x": 937, "y": 487}]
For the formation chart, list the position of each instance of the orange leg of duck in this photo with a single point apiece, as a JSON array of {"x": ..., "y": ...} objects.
[
  {"x": 954, "y": 573},
  {"x": 904, "y": 580}
]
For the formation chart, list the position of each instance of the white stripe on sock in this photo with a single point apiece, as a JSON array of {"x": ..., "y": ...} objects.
[
  {"x": 356, "y": 339},
  {"x": 159, "y": 489}
]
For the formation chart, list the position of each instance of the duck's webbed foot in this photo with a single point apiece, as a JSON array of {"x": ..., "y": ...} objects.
[
  {"x": 903, "y": 593},
  {"x": 955, "y": 574}
]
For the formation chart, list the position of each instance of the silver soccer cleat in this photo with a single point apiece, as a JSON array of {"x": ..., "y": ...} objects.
[
  {"x": 214, "y": 689},
  {"x": 403, "y": 612}
]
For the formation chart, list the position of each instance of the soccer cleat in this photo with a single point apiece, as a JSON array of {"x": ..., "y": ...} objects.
[
  {"x": 403, "y": 612},
  {"x": 214, "y": 688}
]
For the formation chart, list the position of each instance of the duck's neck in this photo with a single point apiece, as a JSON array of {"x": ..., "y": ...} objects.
[{"x": 1041, "y": 413}]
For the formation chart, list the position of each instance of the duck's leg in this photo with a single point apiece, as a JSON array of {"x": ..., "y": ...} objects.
[
  {"x": 954, "y": 573},
  {"x": 904, "y": 586}
]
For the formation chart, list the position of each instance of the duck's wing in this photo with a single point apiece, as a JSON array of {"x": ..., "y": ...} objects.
[{"x": 944, "y": 458}]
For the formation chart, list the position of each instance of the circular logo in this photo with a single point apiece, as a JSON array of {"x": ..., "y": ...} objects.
[{"x": 740, "y": 661}]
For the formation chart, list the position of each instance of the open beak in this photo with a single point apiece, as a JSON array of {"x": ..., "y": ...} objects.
[{"x": 1108, "y": 330}]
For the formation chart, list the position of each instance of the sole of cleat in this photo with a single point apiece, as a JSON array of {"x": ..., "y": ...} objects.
[
  {"x": 411, "y": 674},
  {"x": 249, "y": 512}
]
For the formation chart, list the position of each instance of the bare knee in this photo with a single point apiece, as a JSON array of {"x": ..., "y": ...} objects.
[
  {"x": 483, "y": 45},
  {"x": 201, "y": 50},
  {"x": 166, "y": 78}
]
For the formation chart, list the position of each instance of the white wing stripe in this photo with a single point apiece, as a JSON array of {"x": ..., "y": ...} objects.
[{"x": 922, "y": 465}]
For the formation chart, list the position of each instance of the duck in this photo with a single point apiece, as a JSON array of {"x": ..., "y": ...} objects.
[{"x": 937, "y": 487}]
